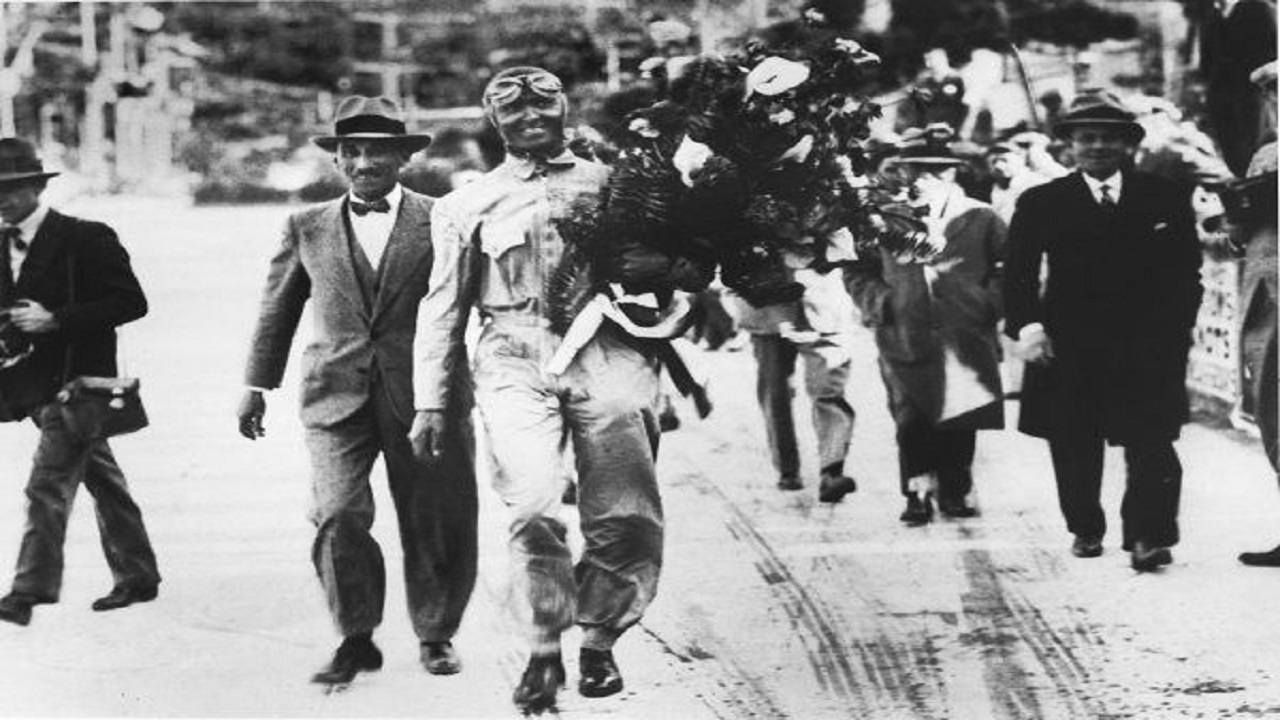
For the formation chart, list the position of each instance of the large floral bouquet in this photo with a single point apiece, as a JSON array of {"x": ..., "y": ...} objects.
[{"x": 755, "y": 160}]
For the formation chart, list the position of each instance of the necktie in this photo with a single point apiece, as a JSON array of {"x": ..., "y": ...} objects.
[
  {"x": 1104, "y": 196},
  {"x": 379, "y": 206},
  {"x": 10, "y": 237}
]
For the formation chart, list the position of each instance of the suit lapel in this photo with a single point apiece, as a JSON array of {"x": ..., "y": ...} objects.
[
  {"x": 45, "y": 247},
  {"x": 339, "y": 266},
  {"x": 408, "y": 246}
]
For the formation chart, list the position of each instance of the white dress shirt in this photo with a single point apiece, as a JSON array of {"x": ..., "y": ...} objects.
[
  {"x": 28, "y": 227},
  {"x": 373, "y": 229},
  {"x": 1113, "y": 184}
]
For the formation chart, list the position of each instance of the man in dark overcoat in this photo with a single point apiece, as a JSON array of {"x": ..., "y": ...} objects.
[
  {"x": 67, "y": 284},
  {"x": 935, "y": 322},
  {"x": 363, "y": 261},
  {"x": 1107, "y": 335}
]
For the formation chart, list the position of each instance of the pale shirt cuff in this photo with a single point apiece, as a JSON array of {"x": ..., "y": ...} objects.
[
  {"x": 257, "y": 389},
  {"x": 1030, "y": 330}
]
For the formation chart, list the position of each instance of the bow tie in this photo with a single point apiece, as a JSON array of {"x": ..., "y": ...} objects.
[
  {"x": 379, "y": 206},
  {"x": 12, "y": 238}
]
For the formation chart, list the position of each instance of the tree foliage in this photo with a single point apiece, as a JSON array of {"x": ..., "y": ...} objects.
[{"x": 292, "y": 43}]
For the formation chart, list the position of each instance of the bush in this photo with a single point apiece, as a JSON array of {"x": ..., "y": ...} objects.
[{"x": 216, "y": 192}]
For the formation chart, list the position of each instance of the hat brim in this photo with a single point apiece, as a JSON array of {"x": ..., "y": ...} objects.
[
  {"x": 17, "y": 177},
  {"x": 411, "y": 142},
  {"x": 1063, "y": 128}
]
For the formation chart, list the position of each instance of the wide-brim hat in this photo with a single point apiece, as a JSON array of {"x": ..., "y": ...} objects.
[
  {"x": 1098, "y": 109},
  {"x": 18, "y": 162},
  {"x": 932, "y": 145},
  {"x": 371, "y": 118}
]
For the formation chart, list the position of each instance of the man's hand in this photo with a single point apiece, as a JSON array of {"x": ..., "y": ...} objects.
[
  {"x": 427, "y": 435},
  {"x": 252, "y": 407},
  {"x": 32, "y": 317},
  {"x": 1034, "y": 345}
]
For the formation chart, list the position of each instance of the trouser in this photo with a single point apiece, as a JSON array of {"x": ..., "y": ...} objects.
[
  {"x": 61, "y": 462},
  {"x": 435, "y": 505},
  {"x": 831, "y": 413},
  {"x": 605, "y": 403},
  {"x": 1153, "y": 488},
  {"x": 947, "y": 453}
]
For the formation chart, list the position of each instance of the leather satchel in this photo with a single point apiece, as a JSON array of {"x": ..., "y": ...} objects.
[{"x": 94, "y": 408}]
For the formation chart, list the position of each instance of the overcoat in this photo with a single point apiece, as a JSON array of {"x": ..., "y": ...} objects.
[
  {"x": 359, "y": 329},
  {"x": 1119, "y": 303},
  {"x": 918, "y": 326},
  {"x": 68, "y": 250}
]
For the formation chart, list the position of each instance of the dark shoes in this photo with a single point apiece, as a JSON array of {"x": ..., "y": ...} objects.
[
  {"x": 542, "y": 679},
  {"x": 439, "y": 658},
  {"x": 124, "y": 596},
  {"x": 1270, "y": 558},
  {"x": 833, "y": 488},
  {"x": 1147, "y": 557},
  {"x": 1086, "y": 546},
  {"x": 956, "y": 508},
  {"x": 354, "y": 655},
  {"x": 16, "y": 607},
  {"x": 919, "y": 510},
  {"x": 600, "y": 674},
  {"x": 789, "y": 482}
]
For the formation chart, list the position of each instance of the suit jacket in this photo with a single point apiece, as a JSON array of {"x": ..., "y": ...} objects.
[
  {"x": 359, "y": 332},
  {"x": 1119, "y": 305},
  {"x": 107, "y": 294}
]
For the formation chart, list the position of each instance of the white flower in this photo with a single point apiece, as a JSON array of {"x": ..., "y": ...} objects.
[
  {"x": 815, "y": 16},
  {"x": 781, "y": 117},
  {"x": 853, "y": 47},
  {"x": 866, "y": 57},
  {"x": 643, "y": 128},
  {"x": 800, "y": 151},
  {"x": 775, "y": 75}
]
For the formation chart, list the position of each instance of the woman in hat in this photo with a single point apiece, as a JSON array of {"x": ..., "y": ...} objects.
[{"x": 935, "y": 321}]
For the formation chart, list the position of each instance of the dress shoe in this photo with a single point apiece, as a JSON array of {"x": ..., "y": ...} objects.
[
  {"x": 439, "y": 658},
  {"x": 1086, "y": 546},
  {"x": 789, "y": 482},
  {"x": 354, "y": 655},
  {"x": 16, "y": 608},
  {"x": 542, "y": 679},
  {"x": 833, "y": 488},
  {"x": 1270, "y": 558},
  {"x": 600, "y": 674},
  {"x": 1147, "y": 557},
  {"x": 124, "y": 596},
  {"x": 919, "y": 510},
  {"x": 956, "y": 508}
]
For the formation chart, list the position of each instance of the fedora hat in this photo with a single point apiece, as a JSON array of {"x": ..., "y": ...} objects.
[
  {"x": 1098, "y": 108},
  {"x": 931, "y": 145},
  {"x": 370, "y": 118},
  {"x": 18, "y": 162}
]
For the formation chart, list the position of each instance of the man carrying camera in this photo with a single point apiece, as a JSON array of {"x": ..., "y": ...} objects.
[{"x": 66, "y": 284}]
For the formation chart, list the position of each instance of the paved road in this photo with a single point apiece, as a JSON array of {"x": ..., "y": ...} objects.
[{"x": 772, "y": 605}]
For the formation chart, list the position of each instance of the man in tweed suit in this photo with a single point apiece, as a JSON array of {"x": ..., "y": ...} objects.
[{"x": 364, "y": 260}]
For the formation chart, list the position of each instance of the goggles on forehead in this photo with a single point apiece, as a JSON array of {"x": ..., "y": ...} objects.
[{"x": 506, "y": 90}]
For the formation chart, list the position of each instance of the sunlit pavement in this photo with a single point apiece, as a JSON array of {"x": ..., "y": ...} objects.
[{"x": 772, "y": 604}]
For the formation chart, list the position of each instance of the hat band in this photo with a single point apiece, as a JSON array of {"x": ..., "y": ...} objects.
[{"x": 369, "y": 124}]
